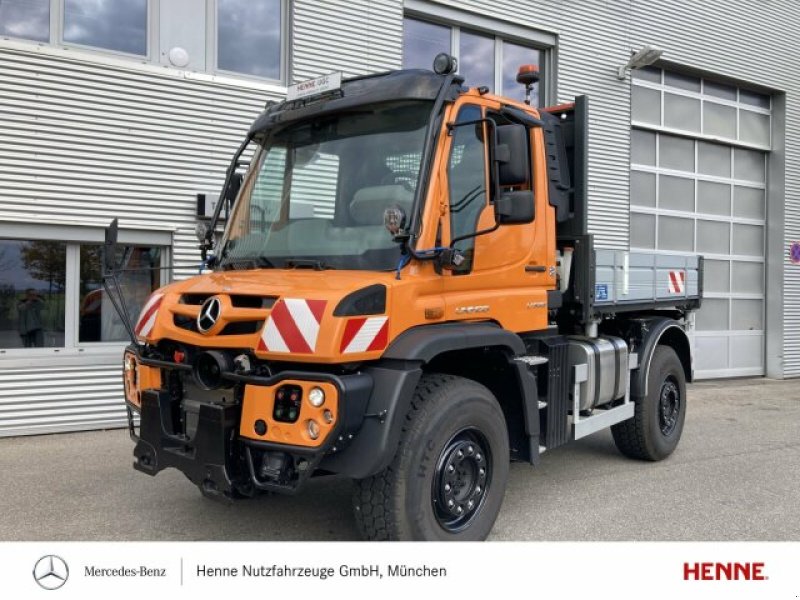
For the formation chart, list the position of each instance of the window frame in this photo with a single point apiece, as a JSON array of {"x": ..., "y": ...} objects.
[
  {"x": 487, "y": 183},
  {"x": 545, "y": 42},
  {"x": 74, "y": 237}
]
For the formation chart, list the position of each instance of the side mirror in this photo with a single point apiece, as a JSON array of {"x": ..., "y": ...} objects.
[
  {"x": 110, "y": 247},
  {"x": 513, "y": 155},
  {"x": 233, "y": 191},
  {"x": 515, "y": 207}
]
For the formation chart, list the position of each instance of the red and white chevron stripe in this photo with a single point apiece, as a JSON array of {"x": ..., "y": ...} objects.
[
  {"x": 148, "y": 316},
  {"x": 365, "y": 334},
  {"x": 677, "y": 282},
  {"x": 293, "y": 326}
]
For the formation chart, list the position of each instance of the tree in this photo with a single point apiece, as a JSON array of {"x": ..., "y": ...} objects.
[{"x": 46, "y": 261}]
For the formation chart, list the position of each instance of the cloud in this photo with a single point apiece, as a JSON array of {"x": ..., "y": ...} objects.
[
  {"x": 29, "y": 19},
  {"x": 112, "y": 24},
  {"x": 249, "y": 37}
]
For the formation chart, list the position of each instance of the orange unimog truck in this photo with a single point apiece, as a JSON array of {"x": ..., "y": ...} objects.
[{"x": 405, "y": 294}]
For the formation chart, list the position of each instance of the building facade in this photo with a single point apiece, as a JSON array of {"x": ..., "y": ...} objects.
[{"x": 133, "y": 108}]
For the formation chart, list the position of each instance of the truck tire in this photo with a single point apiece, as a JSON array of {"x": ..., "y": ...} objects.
[
  {"x": 655, "y": 429},
  {"x": 448, "y": 478}
]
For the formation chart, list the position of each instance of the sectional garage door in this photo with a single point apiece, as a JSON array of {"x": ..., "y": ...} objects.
[{"x": 699, "y": 152}]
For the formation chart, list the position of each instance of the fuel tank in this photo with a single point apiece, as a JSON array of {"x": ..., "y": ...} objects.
[{"x": 606, "y": 358}]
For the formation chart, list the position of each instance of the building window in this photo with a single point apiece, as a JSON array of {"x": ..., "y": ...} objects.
[
  {"x": 120, "y": 26},
  {"x": 52, "y": 296},
  {"x": 97, "y": 319},
  {"x": 422, "y": 41},
  {"x": 32, "y": 294},
  {"x": 478, "y": 55},
  {"x": 27, "y": 19},
  {"x": 249, "y": 37}
]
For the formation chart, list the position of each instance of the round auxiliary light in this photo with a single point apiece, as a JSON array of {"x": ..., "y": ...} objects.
[
  {"x": 444, "y": 64},
  {"x": 317, "y": 397},
  {"x": 312, "y": 427}
]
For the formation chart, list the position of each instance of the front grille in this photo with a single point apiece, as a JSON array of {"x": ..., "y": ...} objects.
[
  {"x": 237, "y": 300},
  {"x": 187, "y": 323},
  {"x": 240, "y": 303},
  {"x": 242, "y": 328}
]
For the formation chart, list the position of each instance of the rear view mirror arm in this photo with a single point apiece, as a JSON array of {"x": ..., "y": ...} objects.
[{"x": 208, "y": 242}]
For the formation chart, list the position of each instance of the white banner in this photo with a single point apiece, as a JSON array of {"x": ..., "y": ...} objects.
[{"x": 388, "y": 571}]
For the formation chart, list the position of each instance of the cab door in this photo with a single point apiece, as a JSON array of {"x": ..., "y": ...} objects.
[{"x": 506, "y": 270}]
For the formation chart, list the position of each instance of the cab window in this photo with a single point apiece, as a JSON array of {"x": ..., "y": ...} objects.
[{"x": 466, "y": 175}]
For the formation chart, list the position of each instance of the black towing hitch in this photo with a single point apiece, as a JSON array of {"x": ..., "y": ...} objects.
[{"x": 205, "y": 458}]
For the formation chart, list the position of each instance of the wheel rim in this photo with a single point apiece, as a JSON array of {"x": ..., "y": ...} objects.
[
  {"x": 462, "y": 479},
  {"x": 669, "y": 405}
]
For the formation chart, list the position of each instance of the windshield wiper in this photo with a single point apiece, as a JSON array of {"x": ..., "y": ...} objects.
[{"x": 307, "y": 263}]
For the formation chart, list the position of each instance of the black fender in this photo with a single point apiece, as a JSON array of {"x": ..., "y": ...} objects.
[
  {"x": 650, "y": 332},
  {"x": 426, "y": 342},
  {"x": 396, "y": 376}
]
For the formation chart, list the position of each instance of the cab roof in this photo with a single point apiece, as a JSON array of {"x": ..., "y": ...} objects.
[{"x": 392, "y": 86}]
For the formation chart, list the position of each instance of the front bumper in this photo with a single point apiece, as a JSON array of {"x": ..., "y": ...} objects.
[{"x": 223, "y": 463}]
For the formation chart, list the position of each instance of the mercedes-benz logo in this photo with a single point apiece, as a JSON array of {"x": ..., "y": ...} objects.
[
  {"x": 209, "y": 314},
  {"x": 51, "y": 572}
]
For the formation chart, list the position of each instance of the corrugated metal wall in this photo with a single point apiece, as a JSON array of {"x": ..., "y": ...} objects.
[
  {"x": 81, "y": 142},
  {"x": 54, "y": 399},
  {"x": 352, "y": 36}
]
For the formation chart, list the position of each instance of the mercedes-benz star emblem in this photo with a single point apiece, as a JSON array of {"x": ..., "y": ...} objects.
[
  {"x": 51, "y": 572},
  {"x": 209, "y": 314}
]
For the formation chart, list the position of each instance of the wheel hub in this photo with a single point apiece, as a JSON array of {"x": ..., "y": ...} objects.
[
  {"x": 669, "y": 406},
  {"x": 461, "y": 481}
]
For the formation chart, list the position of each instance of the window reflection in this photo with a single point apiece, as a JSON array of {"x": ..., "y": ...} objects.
[
  {"x": 28, "y": 19},
  {"x": 119, "y": 25},
  {"x": 422, "y": 41},
  {"x": 32, "y": 285},
  {"x": 478, "y": 53},
  {"x": 476, "y": 59},
  {"x": 514, "y": 56},
  {"x": 249, "y": 37},
  {"x": 98, "y": 321}
]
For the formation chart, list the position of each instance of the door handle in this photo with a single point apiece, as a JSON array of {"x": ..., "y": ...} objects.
[{"x": 535, "y": 268}]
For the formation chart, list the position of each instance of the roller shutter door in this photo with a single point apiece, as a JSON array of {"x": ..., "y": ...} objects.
[{"x": 699, "y": 152}]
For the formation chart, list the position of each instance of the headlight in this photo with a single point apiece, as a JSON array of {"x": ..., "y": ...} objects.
[{"x": 317, "y": 397}]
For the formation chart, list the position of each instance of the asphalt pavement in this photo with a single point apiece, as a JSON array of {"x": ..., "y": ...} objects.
[{"x": 735, "y": 476}]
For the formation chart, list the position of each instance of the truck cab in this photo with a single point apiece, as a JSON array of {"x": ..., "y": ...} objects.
[{"x": 406, "y": 294}]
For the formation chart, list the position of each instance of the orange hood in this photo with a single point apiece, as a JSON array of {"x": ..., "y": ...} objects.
[{"x": 285, "y": 314}]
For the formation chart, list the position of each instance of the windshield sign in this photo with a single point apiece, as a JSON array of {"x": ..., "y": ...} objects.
[{"x": 317, "y": 190}]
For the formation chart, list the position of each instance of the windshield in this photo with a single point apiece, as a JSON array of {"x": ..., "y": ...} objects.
[{"x": 316, "y": 191}]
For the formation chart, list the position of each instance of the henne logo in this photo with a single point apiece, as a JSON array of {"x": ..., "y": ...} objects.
[
  {"x": 50, "y": 572},
  {"x": 731, "y": 571}
]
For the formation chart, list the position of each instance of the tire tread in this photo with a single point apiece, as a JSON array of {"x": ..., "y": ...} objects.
[{"x": 373, "y": 497}]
